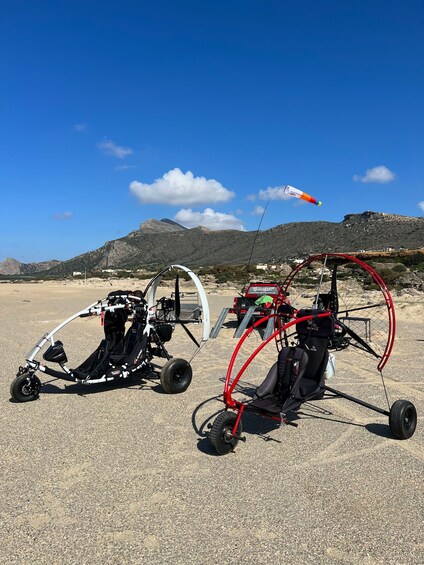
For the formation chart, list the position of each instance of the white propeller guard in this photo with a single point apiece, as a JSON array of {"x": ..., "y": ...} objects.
[{"x": 151, "y": 295}]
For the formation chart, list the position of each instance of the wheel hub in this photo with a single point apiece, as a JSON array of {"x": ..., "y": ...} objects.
[
  {"x": 227, "y": 435},
  {"x": 27, "y": 389}
]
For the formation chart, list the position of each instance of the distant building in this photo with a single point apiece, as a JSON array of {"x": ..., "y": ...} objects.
[{"x": 267, "y": 267}]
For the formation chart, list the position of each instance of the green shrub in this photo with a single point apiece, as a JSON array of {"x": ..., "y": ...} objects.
[
  {"x": 411, "y": 260},
  {"x": 389, "y": 276}
]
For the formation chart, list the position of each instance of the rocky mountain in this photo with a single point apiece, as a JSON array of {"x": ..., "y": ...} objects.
[
  {"x": 11, "y": 266},
  {"x": 163, "y": 242},
  {"x": 160, "y": 226}
]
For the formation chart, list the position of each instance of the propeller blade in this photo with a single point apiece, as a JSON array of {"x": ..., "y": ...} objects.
[
  {"x": 190, "y": 335},
  {"x": 357, "y": 338},
  {"x": 334, "y": 306},
  {"x": 177, "y": 297}
]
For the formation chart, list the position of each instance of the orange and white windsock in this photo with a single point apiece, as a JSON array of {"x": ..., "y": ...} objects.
[{"x": 292, "y": 191}]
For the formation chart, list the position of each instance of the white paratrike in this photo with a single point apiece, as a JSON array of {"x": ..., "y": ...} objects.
[{"x": 137, "y": 325}]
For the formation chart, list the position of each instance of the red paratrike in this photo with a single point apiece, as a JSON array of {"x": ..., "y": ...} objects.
[
  {"x": 348, "y": 314},
  {"x": 125, "y": 352}
]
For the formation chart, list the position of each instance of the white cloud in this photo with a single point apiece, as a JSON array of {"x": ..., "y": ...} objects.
[
  {"x": 61, "y": 216},
  {"x": 421, "y": 206},
  {"x": 257, "y": 211},
  {"x": 380, "y": 174},
  {"x": 251, "y": 197},
  {"x": 178, "y": 188},
  {"x": 273, "y": 193},
  {"x": 80, "y": 127},
  {"x": 208, "y": 219},
  {"x": 110, "y": 148}
]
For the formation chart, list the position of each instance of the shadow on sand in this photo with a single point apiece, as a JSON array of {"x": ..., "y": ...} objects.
[
  {"x": 255, "y": 424},
  {"x": 147, "y": 380}
]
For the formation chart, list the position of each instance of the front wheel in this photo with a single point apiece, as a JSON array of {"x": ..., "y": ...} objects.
[
  {"x": 221, "y": 433},
  {"x": 176, "y": 376},
  {"x": 403, "y": 419},
  {"x": 25, "y": 387}
]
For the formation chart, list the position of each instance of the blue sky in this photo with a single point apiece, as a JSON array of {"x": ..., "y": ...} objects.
[{"x": 116, "y": 112}]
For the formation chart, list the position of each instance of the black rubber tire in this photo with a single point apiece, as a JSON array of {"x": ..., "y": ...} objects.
[
  {"x": 176, "y": 375},
  {"x": 221, "y": 430},
  {"x": 25, "y": 387},
  {"x": 403, "y": 419}
]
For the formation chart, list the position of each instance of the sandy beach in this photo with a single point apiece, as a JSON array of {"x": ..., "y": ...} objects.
[{"x": 125, "y": 474}]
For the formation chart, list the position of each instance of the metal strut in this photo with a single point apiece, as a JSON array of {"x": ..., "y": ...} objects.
[
  {"x": 357, "y": 401},
  {"x": 217, "y": 327},
  {"x": 246, "y": 319}
]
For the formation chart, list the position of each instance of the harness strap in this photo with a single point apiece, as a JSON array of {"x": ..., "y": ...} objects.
[{"x": 289, "y": 372}]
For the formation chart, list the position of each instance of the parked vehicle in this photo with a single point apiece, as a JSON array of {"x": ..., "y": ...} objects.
[{"x": 256, "y": 294}]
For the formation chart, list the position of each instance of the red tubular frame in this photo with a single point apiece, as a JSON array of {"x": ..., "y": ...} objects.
[
  {"x": 229, "y": 385},
  {"x": 377, "y": 279}
]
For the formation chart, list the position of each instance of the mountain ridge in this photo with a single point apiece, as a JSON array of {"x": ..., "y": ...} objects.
[{"x": 161, "y": 242}]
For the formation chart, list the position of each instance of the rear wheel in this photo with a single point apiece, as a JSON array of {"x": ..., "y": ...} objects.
[
  {"x": 221, "y": 433},
  {"x": 403, "y": 419},
  {"x": 25, "y": 387},
  {"x": 176, "y": 376}
]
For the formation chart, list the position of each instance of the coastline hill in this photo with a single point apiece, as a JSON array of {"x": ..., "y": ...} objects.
[{"x": 157, "y": 243}]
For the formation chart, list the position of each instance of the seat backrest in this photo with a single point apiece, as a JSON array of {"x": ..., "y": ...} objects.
[
  {"x": 291, "y": 366},
  {"x": 114, "y": 328},
  {"x": 314, "y": 336}
]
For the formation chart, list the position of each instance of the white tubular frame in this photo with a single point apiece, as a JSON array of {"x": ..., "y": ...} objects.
[
  {"x": 94, "y": 309},
  {"x": 101, "y": 306},
  {"x": 151, "y": 301}
]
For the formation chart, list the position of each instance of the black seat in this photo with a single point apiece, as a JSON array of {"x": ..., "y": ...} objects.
[
  {"x": 314, "y": 336},
  {"x": 96, "y": 364},
  {"x": 118, "y": 348},
  {"x": 298, "y": 374},
  {"x": 272, "y": 394}
]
